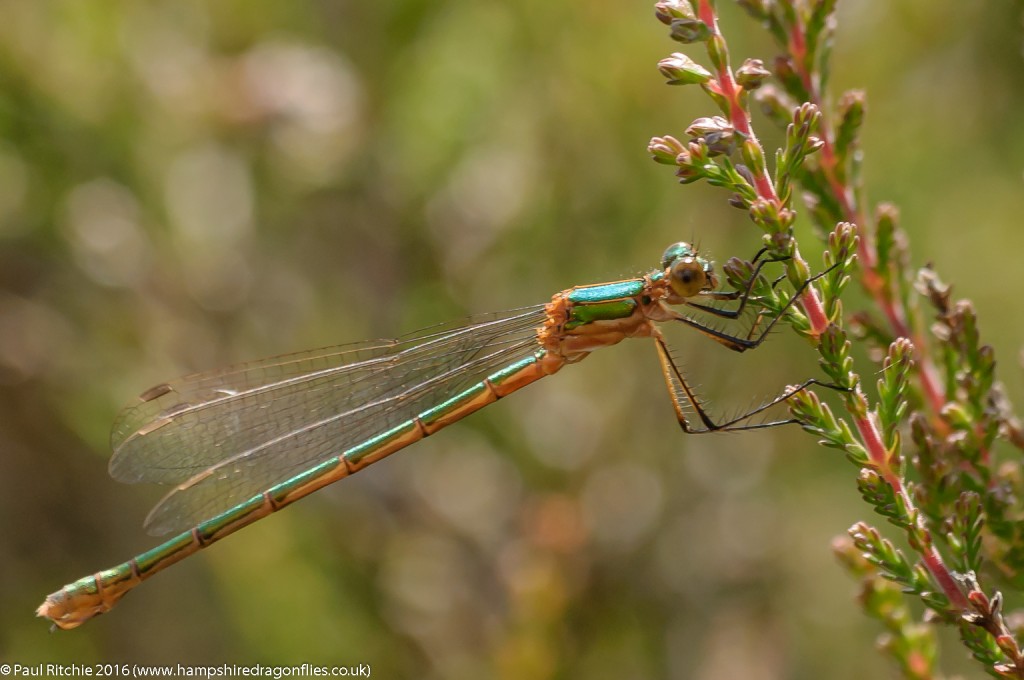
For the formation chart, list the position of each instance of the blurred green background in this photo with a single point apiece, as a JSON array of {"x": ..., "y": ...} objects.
[{"x": 188, "y": 184}]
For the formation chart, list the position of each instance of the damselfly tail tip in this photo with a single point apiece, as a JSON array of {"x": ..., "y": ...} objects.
[
  {"x": 77, "y": 602},
  {"x": 53, "y": 608}
]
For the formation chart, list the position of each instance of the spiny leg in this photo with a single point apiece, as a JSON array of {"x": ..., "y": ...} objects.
[
  {"x": 742, "y": 344},
  {"x": 761, "y": 313},
  {"x": 679, "y": 390},
  {"x": 743, "y": 295}
]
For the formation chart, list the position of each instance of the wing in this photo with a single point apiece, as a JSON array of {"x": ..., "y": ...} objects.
[{"x": 225, "y": 436}]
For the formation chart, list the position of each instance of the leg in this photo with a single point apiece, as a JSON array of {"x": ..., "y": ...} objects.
[
  {"x": 742, "y": 344},
  {"x": 742, "y": 295},
  {"x": 681, "y": 393}
]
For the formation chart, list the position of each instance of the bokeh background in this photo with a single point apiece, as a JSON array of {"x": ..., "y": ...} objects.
[{"x": 188, "y": 184}]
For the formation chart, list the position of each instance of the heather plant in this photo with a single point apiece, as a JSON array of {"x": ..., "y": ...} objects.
[{"x": 932, "y": 442}]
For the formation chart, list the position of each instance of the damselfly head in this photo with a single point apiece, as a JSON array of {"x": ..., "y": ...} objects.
[{"x": 688, "y": 273}]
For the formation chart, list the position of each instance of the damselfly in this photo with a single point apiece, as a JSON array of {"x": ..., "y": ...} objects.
[{"x": 242, "y": 442}]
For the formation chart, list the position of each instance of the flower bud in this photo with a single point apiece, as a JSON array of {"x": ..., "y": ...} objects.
[
  {"x": 751, "y": 74},
  {"x": 851, "y": 118},
  {"x": 717, "y": 133},
  {"x": 667, "y": 11},
  {"x": 665, "y": 150},
  {"x": 689, "y": 30},
  {"x": 688, "y": 174},
  {"x": 681, "y": 70}
]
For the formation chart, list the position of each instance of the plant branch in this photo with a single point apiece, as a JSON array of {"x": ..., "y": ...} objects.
[
  {"x": 948, "y": 494},
  {"x": 871, "y": 280},
  {"x": 735, "y": 95}
]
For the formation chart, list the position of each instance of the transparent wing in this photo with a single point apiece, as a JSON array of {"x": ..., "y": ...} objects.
[{"x": 225, "y": 436}]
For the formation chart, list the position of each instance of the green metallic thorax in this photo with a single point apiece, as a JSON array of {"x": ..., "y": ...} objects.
[{"x": 603, "y": 302}]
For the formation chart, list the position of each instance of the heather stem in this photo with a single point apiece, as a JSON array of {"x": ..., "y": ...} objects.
[
  {"x": 732, "y": 92},
  {"x": 943, "y": 505},
  {"x": 740, "y": 120},
  {"x": 882, "y": 459},
  {"x": 866, "y": 252}
]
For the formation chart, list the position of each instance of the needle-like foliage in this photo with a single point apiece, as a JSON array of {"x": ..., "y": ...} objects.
[{"x": 927, "y": 444}]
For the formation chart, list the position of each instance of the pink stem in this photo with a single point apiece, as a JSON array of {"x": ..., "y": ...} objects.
[
  {"x": 740, "y": 120},
  {"x": 871, "y": 280},
  {"x": 878, "y": 455}
]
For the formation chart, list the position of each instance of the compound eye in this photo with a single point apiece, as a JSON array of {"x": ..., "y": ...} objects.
[
  {"x": 676, "y": 251},
  {"x": 687, "y": 277}
]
